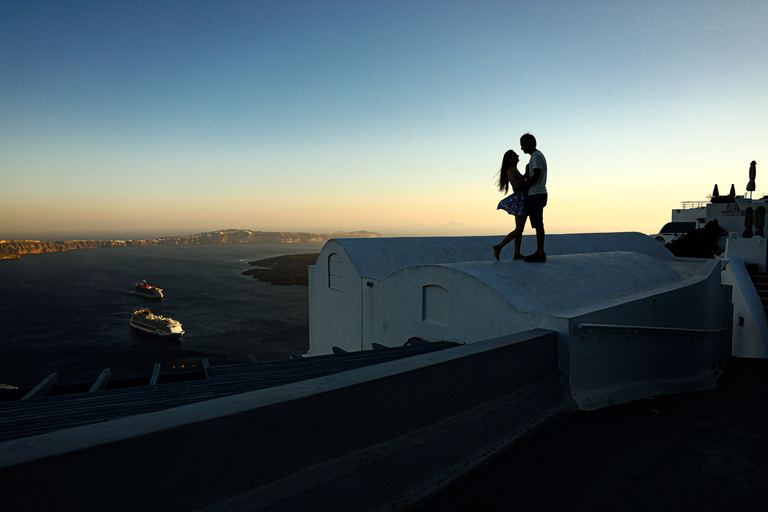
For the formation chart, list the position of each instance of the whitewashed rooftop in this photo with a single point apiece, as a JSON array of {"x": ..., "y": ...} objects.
[{"x": 379, "y": 257}]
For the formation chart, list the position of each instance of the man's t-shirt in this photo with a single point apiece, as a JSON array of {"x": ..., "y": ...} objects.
[{"x": 538, "y": 162}]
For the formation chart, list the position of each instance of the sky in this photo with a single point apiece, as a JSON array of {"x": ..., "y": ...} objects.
[{"x": 154, "y": 118}]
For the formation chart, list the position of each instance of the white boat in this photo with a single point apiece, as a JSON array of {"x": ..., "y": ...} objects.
[
  {"x": 147, "y": 290},
  {"x": 144, "y": 320}
]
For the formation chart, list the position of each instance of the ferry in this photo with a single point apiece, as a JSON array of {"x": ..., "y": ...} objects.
[
  {"x": 144, "y": 320},
  {"x": 147, "y": 290}
]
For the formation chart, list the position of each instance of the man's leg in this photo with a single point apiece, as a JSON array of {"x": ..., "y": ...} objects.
[
  {"x": 540, "y": 240},
  {"x": 536, "y": 215}
]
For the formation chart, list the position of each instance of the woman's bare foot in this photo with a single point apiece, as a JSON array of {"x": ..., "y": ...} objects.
[{"x": 496, "y": 251}]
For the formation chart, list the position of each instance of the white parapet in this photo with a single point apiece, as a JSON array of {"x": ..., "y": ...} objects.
[
  {"x": 750, "y": 326},
  {"x": 750, "y": 250}
]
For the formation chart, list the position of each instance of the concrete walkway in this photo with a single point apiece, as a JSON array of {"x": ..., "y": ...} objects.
[{"x": 696, "y": 451}]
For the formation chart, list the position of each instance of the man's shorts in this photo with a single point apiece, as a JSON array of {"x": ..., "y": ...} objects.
[{"x": 535, "y": 205}]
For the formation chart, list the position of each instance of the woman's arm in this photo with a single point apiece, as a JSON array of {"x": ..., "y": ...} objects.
[{"x": 514, "y": 177}]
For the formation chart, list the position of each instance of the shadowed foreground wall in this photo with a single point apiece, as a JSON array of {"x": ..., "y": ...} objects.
[{"x": 370, "y": 439}]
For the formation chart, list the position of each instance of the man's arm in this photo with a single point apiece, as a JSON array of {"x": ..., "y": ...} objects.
[{"x": 528, "y": 183}]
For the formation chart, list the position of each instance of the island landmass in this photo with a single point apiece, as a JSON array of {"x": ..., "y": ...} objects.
[
  {"x": 283, "y": 270},
  {"x": 11, "y": 249}
]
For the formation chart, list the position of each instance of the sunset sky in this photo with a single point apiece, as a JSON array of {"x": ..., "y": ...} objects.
[{"x": 149, "y": 118}]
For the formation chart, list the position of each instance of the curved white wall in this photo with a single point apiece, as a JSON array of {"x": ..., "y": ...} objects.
[
  {"x": 335, "y": 302},
  {"x": 344, "y": 316},
  {"x": 471, "y": 310}
]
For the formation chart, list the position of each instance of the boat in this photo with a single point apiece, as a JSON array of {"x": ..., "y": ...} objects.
[
  {"x": 144, "y": 320},
  {"x": 147, "y": 290}
]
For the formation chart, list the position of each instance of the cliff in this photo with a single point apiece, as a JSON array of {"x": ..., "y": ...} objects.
[{"x": 10, "y": 249}]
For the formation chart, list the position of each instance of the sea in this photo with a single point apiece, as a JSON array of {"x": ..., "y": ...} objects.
[{"x": 68, "y": 313}]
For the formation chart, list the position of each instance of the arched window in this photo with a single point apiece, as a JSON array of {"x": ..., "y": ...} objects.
[
  {"x": 435, "y": 306},
  {"x": 334, "y": 272}
]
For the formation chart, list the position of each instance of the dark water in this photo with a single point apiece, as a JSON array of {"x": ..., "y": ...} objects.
[{"x": 68, "y": 312}]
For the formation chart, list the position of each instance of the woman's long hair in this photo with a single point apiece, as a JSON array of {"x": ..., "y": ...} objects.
[{"x": 506, "y": 163}]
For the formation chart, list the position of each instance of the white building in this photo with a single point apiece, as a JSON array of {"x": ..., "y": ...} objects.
[{"x": 632, "y": 320}]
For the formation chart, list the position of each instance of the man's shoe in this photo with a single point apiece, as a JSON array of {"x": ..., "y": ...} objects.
[{"x": 536, "y": 258}]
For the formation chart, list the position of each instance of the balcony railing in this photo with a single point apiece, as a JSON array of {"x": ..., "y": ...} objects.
[{"x": 694, "y": 204}]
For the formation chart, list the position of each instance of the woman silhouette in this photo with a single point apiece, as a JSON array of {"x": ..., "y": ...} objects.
[{"x": 514, "y": 204}]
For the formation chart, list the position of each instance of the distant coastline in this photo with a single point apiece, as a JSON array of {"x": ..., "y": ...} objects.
[{"x": 12, "y": 249}]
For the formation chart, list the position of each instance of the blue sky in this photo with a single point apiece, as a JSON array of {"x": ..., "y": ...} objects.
[{"x": 134, "y": 119}]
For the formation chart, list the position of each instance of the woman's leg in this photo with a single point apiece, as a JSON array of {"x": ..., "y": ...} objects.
[
  {"x": 515, "y": 235},
  {"x": 497, "y": 248}
]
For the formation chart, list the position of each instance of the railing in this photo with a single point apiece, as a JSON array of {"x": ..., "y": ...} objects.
[
  {"x": 694, "y": 204},
  {"x": 637, "y": 328}
]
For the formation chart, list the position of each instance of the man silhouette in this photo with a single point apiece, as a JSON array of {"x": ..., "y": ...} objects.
[{"x": 536, "y": 186}]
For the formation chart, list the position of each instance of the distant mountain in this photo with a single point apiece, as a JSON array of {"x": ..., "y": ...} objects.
[
  {"x": 16, "y": 248},
  {"x": 453, "y": 223}
]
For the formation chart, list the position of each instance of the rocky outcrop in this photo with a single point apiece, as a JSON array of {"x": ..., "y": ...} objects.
[
  {"x": 10, "y": 249},
  {"x": 283, "y": 270}
]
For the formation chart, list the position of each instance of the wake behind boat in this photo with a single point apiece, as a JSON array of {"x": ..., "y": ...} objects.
[
  {"x": 144, "y": 320},
  {"x": 147, "y": 290}
]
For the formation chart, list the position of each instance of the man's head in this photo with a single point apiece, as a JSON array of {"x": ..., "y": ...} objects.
[{"x": 528, "y": 143}]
